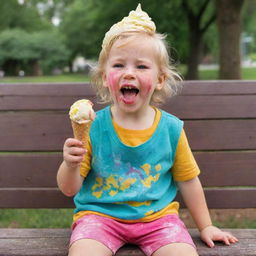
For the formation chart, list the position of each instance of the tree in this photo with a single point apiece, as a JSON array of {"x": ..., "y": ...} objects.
[
  {"x": 22, "y": 50},
  {"x": 23, "y": 16},
  {"x": 229, "y": 27},
  {"x": 197, "y": 28}
]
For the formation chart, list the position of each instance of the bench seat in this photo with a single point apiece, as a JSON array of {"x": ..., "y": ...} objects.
[{"x": 54, "y": 242}]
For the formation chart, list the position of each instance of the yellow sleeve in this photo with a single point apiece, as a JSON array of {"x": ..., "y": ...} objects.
[
  {"x": 185, "y": 166},
  {"x": 86, "y": 163}
]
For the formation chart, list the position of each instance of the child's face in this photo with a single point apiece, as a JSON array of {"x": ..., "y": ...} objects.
[{"x": 132, "y": 73}]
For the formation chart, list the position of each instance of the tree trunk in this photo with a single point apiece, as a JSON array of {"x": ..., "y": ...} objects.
[
  {"x": 35, "y": 68},
  {"x": 229, "y": 27},
  {"x": 195, "y": 50},
  {"x": 197, "y": 28}
]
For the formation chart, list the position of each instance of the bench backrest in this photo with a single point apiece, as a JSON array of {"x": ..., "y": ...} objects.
[{"x": 220, "y": 122}]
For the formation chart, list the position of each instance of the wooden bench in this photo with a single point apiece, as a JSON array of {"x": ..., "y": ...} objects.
[{"x": 220, "y": 121}]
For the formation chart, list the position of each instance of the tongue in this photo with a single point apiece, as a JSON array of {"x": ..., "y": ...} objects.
[{"x": 129, "y": 96}]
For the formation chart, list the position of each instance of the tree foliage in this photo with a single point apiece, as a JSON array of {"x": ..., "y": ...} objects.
[
  {"x": 19, "y": 48},
  {"x": 86, "y": 22}
]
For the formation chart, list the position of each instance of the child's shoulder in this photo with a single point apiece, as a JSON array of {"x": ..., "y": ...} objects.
[
  {"x": 169, "y": 117},
  {"x": 101, "y": 116}
]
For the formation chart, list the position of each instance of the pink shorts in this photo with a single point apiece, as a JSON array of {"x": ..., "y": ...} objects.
[{"x": 149, "y": 236}]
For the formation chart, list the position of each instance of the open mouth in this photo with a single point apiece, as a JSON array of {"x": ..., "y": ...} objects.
[{"x": 129, "y": 94}]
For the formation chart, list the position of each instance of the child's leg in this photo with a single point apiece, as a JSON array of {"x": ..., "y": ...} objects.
[
  {"x": 166, "y": 236},
  {"x": 95, "y": 235},
  {"x": 89, "y": 247},
  {"x": 176, "y": 249}
]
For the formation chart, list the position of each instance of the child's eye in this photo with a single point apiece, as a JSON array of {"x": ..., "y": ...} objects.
[
  {"x": 118, "y": 65},
  {"x": 142, "y": 67}
]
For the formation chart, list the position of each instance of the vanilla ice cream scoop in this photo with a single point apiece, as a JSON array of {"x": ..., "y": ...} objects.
[
  {"x": 137, "y": 20},
  {"x": 82, "y": 112}
]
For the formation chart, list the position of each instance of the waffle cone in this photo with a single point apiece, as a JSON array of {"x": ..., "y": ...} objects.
[{"x": 81, "y": 131}]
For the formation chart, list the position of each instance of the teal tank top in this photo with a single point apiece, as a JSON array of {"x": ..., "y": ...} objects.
[{"x": 129, "y": 182}]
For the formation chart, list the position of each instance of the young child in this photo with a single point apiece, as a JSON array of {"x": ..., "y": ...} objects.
[{"x": 126, "y": 179}]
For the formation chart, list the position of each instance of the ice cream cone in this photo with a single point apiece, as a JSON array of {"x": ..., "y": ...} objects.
[{"x": 81, "y": 131}]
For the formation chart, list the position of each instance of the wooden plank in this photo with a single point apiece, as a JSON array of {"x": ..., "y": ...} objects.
[
  {"x": 219, "y": 87},
  {"x": 219, "y": 198},
  {"x": 34, "y": 198},
  {"x": 46, "y": 89},
  {"x": 31, "y": 131},
  {"x": 212, "y": 107},
  {"x": 185, "y": 107},
  {"x": 207, "y": 87},
  {"x": 227, "y": 168},
  {"x": 228, "y": 198},
  {"x": 39, "y": 169},
  {"x": 221, "y": 134},
  {"x": 47, "y": 131},
  {"x": 35, "y": 103},
  {"x": 49, "y": 242},
  {"x": 29, "y": 169}
]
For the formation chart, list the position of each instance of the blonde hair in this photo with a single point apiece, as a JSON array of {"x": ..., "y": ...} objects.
[{"x": 171, "y": 85}]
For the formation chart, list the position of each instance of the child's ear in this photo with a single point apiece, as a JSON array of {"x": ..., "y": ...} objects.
[
  {"x": 104, "y": 80},
  {"x": 161, "y": 81}
]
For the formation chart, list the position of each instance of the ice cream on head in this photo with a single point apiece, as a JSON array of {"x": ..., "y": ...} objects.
[
  {"x": 82, "y": 112},
  {"x": 136, "y": 21}
]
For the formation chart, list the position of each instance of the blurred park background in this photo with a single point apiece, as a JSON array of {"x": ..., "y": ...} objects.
[{"x": 59, "y": 41}]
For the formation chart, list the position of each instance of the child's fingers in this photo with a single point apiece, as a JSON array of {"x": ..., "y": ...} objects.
[
  {"x": 74, "y": 159},
  {"x": 71, "y": 142},
  {"x": 209, "y": 242},
  {"x": 77, "y": 151}
]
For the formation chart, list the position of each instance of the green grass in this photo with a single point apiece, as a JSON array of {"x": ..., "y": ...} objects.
[
  {"x": 62, "y": 218},
  {"x": 35, "y": 218},
  {"x": 46, "y": 79},
  {"x": 247, "y": 74},
  {"x": 232, "y": 222}
]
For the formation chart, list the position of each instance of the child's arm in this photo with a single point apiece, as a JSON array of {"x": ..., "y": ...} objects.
[
  {"x": 193, "y": 195},
  {"x": 68, "y": 177}
]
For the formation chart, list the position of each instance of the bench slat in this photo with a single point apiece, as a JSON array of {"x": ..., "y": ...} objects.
[
  {"x": 49, "y": 242},
  {"x": 46, "y": 89},
  {"x": 53, "y": 198},
  {"x": 45, "y": 165},
  {"x": 207, "y": 87},
  {"x": 212, "y": 107},
  {"x": 218, "y": 87},
  {"x": 185, "y": 107},
  {"x": 31, "y": 131}
]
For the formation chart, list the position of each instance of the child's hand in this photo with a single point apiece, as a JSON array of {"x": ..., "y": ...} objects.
[
  {"x": 212, "y": 233},
  {"x": 73, "y": 152}
]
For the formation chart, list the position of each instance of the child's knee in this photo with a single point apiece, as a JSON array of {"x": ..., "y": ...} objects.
[
  {"x": 176, "y": 249},
  {"x": 88, "y": 247}
]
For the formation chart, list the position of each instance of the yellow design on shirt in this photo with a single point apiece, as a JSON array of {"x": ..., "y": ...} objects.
[
  {"x": 158, "y": 167},
  {"x": 146, "y": 168},
  {"x": 111, "y": 181},
  {"x": 127, "y": 183},
  {"x": 113, "y": 192},
  {"x": 97, "y": 194},
  {"x": 147, "y": 182},
  {"x": 98, "y": 184},
  {"x": 138, "y": 204}
]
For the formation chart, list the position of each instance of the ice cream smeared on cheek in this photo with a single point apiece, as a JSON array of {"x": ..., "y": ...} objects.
[{"x": 112, "y": 80}]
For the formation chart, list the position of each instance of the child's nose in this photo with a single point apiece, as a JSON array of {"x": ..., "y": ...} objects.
[{"x": 129, "y": 73}]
